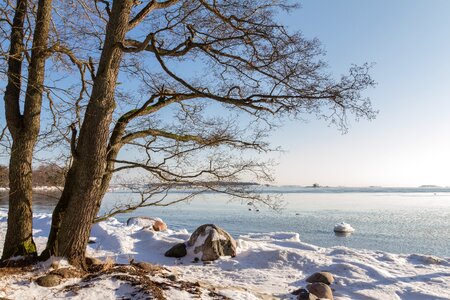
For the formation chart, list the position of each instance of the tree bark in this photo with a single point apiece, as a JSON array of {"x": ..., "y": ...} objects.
[
  {"x": 78, "y": 208},
  {"x": 24, "y": 127}
]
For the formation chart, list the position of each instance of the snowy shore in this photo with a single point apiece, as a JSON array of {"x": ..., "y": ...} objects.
[{"x": 268, "y": 266}]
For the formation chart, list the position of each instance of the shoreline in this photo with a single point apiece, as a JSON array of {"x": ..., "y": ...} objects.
[{"x": 267, "y": 266}]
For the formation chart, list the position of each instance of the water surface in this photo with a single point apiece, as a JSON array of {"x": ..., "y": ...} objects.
[{"x": 393, "y": 220}]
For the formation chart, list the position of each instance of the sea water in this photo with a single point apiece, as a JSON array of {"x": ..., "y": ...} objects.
[{"x": 393, "y": 220}]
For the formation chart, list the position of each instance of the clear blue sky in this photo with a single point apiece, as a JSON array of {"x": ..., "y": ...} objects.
[{"x": 409, "y": 142}]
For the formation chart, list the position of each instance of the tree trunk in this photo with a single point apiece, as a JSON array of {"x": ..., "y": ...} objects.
[
  {"x": 24, "y": 128},
  {"x": 80, "y": 206},
  {"x": 19, "y": 240}
]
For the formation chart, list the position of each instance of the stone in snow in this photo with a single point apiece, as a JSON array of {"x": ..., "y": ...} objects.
[
  {"x": 343, "y": 228},
  {"x": 303, "y": 294},
  {"x": 155, "y": 224},
  {"x": 324, "y": 277},
  {"x": 210, "y": 242},
  {"x": 49, "y": 280},
  {"x": 321, "y": 290},
  {"x": 178, "y": 251}
]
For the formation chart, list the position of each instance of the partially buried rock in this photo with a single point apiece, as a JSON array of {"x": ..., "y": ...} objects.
[
  {"x": 66, "y": 273},
  {"x": 324, "y": 277},
  {"x": 172, "y": 277},
  {"x": 211, "y": 242},
  {"x": 155, "y": 224},
  {"x": 303, "y": 294},
  {"x": 147, "y": 267},
  {"x": 159, "y": 226},
  {"x": 49, "y": 280},
  {"x": 178, "y": 251},
  {"x": 320, "y": 290},
  {"x": 92, "y": 261}
]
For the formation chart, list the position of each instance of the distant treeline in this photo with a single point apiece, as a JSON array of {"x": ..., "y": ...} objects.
[
  {"x": 44, "y": 175},
  {"x": 207, "y": 183}
]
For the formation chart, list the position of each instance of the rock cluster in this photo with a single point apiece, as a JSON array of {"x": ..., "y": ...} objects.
[{"x": 318, "y": 287}]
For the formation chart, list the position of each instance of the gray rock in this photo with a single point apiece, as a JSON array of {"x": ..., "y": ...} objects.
[
  {"x": 172, "y": 277},
  {"x": 212, "y": 242},
  {"x": 324, "y": 277},
  {"x": 49, "y": 280},
  {"x": 179, "y": 250},
  {"x": 321, "y": 290}
]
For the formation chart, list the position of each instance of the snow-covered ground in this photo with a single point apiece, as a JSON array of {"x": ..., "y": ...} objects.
[{"x": 268, "y": 266}]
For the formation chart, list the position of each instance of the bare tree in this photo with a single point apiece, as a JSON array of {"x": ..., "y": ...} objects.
[
  {"x": 24, "y": 124},
  {"x": 195, "y": 124}
]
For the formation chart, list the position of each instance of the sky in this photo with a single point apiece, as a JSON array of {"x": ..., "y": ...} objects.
[{"x": 408, "y": 144}]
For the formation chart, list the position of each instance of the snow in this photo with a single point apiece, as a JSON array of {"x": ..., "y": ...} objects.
[
  {"x": 343, "y": 228},
  {"x": 267, "y": 266}
]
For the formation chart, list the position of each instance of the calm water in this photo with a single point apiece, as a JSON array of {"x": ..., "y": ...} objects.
[{"x": 399, "y": 221}]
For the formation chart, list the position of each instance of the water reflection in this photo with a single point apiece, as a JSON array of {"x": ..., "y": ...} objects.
[{"x": 342, "y": 234}]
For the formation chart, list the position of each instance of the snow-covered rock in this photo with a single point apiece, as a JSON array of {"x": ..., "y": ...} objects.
[
  {"x": 155, "y": 224},
  {"x": 343, "y": 228},
  {"x": 209, "y": 242}
]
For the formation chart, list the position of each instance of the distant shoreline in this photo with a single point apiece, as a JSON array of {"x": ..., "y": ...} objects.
[{"x": 275, "y": 189}]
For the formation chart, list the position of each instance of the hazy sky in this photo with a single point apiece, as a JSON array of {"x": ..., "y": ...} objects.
[{"x": 409, "y": 142}]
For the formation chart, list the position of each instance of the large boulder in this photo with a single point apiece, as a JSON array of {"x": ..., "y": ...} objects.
[
  {"x": 324, "y": 277},
  {"x": 320, "y": 290},
  {"x": 155, "y": 224},
  {"x": 209, "y": 242}
]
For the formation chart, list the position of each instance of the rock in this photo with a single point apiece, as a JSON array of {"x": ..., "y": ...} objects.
[
  {"x": 148, "y": 267},
  {"x": 92, "y": 261},
  {"x": 54, "y": 265},
  {"x": 303, "y": 294},
  {"x": 425, "y": 259},
  {"x": 324, "y": 277},
  {"x": 155, "y": 224},
  {"x": 343, "y": 228},
  {"x": 320, "y": 290},
  {"x": 211, "y": 242},
  {"x": 49, "y": 280},
  {"x": 179, "y": 250},
  {"x": 66, "y": 273},
  {"x": 172, "y": 277},
  {"x": 159, "y": 226}
]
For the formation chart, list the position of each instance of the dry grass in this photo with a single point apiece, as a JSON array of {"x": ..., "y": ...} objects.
[{"x": 133, "y": 274}]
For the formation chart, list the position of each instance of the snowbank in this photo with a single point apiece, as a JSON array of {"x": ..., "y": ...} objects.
[{"x": 267, "y": 266}]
